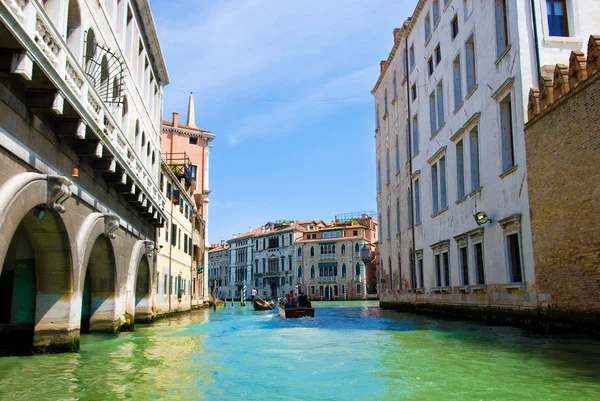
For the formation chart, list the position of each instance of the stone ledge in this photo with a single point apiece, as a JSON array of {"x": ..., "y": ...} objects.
[{"x": 544, "y": 320}]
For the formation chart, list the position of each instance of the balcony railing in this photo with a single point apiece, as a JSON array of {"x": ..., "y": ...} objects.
[
  {"x": 327, "y": 256},
  {"x": 180, "y": 165},
  {"x": 328, "y": 279}
]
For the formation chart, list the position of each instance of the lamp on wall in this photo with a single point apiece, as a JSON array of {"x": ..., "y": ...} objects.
[{"x": 481, "y": 218}]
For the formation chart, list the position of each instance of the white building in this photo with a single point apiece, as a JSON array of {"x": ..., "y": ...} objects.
[
  {"x": 241, "y": 248},
  {"x": 450, "y": 107},
  {"x": 218, "y": 264}
]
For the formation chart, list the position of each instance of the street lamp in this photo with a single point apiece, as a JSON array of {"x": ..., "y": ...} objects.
[
  {"x": 481, "y": 218},
  {"x": 364, "y": 254}
]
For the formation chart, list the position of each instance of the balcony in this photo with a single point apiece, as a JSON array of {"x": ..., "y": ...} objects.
[
  {"x": 358, "y": 277},
  {"x": 327, "y": 256},
  {"x": 82, "y": 107},
  {"x": 180, "y": 166},
  {"x": 269, "y": 274},
  {"x": 328, "y": 279}
]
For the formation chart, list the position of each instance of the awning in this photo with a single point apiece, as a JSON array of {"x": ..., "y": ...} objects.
[{"x": 328, "y": 264}]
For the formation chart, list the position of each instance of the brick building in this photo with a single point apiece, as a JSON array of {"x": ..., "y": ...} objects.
[{"x": 562, "y": 139}]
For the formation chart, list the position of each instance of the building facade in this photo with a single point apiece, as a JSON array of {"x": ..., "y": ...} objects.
[
  {"x": 450, "y": 112},
  {"x": 274, "y": 264},
  {"x": 81, "y": 101},
  {"x": 241, "y": 251},
  {"x": 186, "y": 148},
  {"x": 175, "y": 270},
  {"x": 218, "y": 264},
  {"x": 565, "y": 226},
  {"x": 330, "y": 264}
]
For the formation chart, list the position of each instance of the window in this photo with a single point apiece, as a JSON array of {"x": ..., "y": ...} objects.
[
  {"x": 357, "y": 268},
  {"x": 438, "y": 54},
  {"x": 165, "y": 285},
  {"x": 420, "y": 271},
  {"x": 464, "y": 264},
  {"x": 390, "y": 283},
  {"x": 299, "y": 272},
  {"x": 557, "y": 18},
  {"x": 430, "y": 66},
  {"x": 312, "y": 272},
  {"x": 443, "y": 197},
  {"x": 470, "y": 62},
  {"x": 457, "y": 82},
  {"x": 354, "y": 233},
  {"x": 387, "y": 167},
  {"x": 312, "y": 251},
  {"x": 173, "y": 234},
  {"x": 436, "y": 12},
  {"x": 417, "y": 202},
  {"x": 478, "y": 256},
  {"x": 357, "y": 248},
  {"x": 508, "y": 150},
  {"x": 474, "y": 145},
  {"x": 397, "y": 215},
  {"x": 185, "y": 243},
  {"x": 395, "y": 85},
  {"x": 434, "y": 189},
  {"x": 436, "y": 108},
  {"x": 427, "y": 27},
  {"x": 389, "y": 228},
  {"x": 358, "y": 289},
  {"x": 514, "y": 258},
  {"x": 438, "y": 185},
  {"x": 410, "y": 209},
  {"x": 193, "y": 141},
  {"x": 412, "y": 273},
  {"x": 397, "y": 155},
  {"x": 415, "y": 132},
  {"x": 411, "y": 56},
  {"x": 501, "y": 27},
  {"x": 343, "y": 249},
  {"x": 344, "y": 270},
  {"x": 460, "y": 170},
  {"x": 454, "y": 27},
  {"x": 385, "y": 101},
  {"x": 445, "y": 269},
  {"x": 378, "y": 176},
  {"x": 377, "y": 116},
  {"x": 438, "y": 269},
  {"x": 413, "y": 92}
]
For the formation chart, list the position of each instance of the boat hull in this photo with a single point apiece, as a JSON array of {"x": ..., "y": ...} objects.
[
  {"x": 259, "y": 307},
  {"x": 293, "y": 313}
]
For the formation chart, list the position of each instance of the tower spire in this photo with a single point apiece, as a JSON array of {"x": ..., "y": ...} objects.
[{"x": 191, "y": 121}]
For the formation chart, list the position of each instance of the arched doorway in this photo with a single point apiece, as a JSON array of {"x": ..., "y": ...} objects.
[
  {"x": 143, "y": 310},
  {"x": 36, "y": 288},
  {"x": 99, "y": 289}
]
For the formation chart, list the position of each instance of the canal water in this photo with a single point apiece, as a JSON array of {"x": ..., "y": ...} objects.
[{"x": 349, "y": 351}]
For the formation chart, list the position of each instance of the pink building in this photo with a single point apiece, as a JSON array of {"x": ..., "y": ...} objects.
[{"x": 186, "y": 149}]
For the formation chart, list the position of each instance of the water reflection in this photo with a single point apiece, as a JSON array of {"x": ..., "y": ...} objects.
[{"x": 349, "y": 351}]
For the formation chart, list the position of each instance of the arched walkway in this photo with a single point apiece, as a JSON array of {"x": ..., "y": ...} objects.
[{"x": 36, "y": 276}]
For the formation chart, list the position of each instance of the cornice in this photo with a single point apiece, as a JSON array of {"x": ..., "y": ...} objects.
[{"x": 190, "y": 133}]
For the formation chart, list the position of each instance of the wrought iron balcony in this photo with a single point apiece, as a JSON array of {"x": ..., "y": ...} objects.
[{"x": 180, "y": 166}]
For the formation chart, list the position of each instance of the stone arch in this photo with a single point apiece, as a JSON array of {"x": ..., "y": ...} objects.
[
  {"x": 138, "y": 302},
  {"x": 74, "y": 34},
  {"x": 96, "y": 276},
  {"x": 36, "y": 269}
]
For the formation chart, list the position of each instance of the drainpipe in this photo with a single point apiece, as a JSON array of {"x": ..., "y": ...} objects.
[
  {"x": 411, "y": 261},
  {"x": 170, "y": 253},
  {"x": 536, "y": 43}
]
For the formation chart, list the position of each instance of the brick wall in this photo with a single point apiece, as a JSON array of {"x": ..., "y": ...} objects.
[{"x": 563, "y": 163}]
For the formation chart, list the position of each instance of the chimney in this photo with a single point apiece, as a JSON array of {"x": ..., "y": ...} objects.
[
  {"x": 382, "y": 64},
  {"x": 191, "y": 121},
  {"x": 396, "y": 33},
  {"x": 175, "y": 119}
]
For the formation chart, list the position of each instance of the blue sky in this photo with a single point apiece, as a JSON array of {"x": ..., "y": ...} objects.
[{"x": 285, "y": 87}]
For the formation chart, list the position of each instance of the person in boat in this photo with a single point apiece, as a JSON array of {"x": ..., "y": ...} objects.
[
  {"x": 303, "y": 301},
  {"x": 254, "y": 293}
]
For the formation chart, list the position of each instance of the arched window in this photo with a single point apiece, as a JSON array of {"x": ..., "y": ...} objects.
[
  {"x": 390, "y": 273},
  {"x": 115, "y": 90},
  {"x": 397, "y": 215},
  {"x": 312, "y": 251},
  {"x": 358, "y": 269},
  {"x": 299, "y": 252},
  {"x": 74, "y": 29},
  {"x": 104, "y": 71},
  {"x": 335, "y": 272},
  {"x": 299, "y": 272},
  {"x": 282, "y": 281},
  {"x": 312, "y": 272},
  {"x": 320, "y": 272},
  {"x": 356, "y": 249},
  {"x": 148, "y": 149},
  {"x": 344, "y": 272},
  {"x": 343, "y": 249},
  {"x": 125, "y": 117},
  {"x": 136, "y": 131},
  {"x": 90, "y": 48}
]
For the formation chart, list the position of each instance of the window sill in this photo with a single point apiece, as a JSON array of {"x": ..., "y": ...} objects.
[
  {"x": 478, "y": 287},
  {"x": 509, "y": 171},
  {"x": 515, "y": 286},
  {"x": 457, "y": 109},
  {"x": 476, "y": 191},
  {"x": 442, "y": 289},
  {"x": 387, "y": 183},
  {"x": 502, "y": 55},
  {"x": 461, "y": 200},
  {"x": 428, "y": 39},
  {"x": 436, "y": 24},
  {"x": 439, "y": 212},
  {"x": 415, "y": 155},
  {"x": 437, "y": 131},
  {"x": 563, "y": 40},
  {"x": 464, "y": 288},
  {"x": 420, "y": 290},
  {"x": 418, "y": 224},
  {"x": 471, "y": 93}
]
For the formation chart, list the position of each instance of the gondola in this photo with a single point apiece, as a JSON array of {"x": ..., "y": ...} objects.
[{"x": 261, "y": 304}]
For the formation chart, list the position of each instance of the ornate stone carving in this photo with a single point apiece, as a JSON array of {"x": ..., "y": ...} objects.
[
  {"x": 17, "y": 7},
  {"x": 46, "y": 41},
  {"x": 94, "y": 106},
  {"x": 58, "y": 192},
  {"x": 109, "y": 127},
  {"x": 73, "y": 79},
  {"x": 111, "y": 224},
  {"x": 150, "y": 248}
]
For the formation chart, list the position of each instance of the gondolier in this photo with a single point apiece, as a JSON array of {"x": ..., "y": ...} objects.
[{"x": 254, "y": 293}]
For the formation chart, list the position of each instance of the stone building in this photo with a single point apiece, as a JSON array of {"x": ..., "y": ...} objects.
[
  {"x": 80, "y": 110},
  {"x": 218, "y": 264},
  {"x": 273, "y": 260},
  {"x": 562, "y": 140},
  {"x": 452, "y": 186},
  {"x": 330, "y": 262},
  {"x": 241, "y": 251},
  {"x": 186, "y": 148},
  {"x": 175, "y": 271}
]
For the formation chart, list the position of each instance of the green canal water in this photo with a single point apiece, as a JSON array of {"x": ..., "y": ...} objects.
[{"x": 349, "y": 351}]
